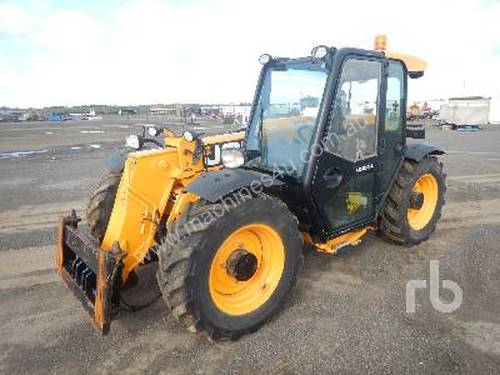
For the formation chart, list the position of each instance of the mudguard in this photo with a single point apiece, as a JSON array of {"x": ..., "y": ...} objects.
[
  {"x": 213, "y": 186},
  {"x": 418, "y": 151}
]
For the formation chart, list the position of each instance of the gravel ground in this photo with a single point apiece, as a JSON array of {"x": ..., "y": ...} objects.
[{"x": 346, "y": 315}]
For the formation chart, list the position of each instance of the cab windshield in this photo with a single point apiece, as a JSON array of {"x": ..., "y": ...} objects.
[{"x": 284, "y": 116}]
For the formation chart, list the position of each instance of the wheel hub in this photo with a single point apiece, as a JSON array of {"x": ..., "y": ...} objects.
[
  {"x": 416, "y": 200},
  {"x": 241, "y": 265},
  {"x": 423, "y": 201},
  {"x": 246, "y": 269}
]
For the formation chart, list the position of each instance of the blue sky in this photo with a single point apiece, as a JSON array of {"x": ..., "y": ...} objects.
[{"x": 151, "y": 51}]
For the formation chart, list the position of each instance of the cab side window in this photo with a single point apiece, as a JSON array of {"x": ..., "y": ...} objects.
[
  {"x": 352, "y": 132},
  {"x": 394, "y": 114}
]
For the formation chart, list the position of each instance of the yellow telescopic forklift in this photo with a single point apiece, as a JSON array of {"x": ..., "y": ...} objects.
[{"x": 324, "y": 159}]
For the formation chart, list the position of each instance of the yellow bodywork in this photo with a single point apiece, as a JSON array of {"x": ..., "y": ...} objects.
[
  {"x": 333, "y": 245},
  {"x": 151, "y": 187}
]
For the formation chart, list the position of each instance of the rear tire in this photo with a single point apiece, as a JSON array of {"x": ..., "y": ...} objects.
[
  {"x": 100, "y": 204},
  {"x": 395, "y": 225},
  {"x": 189, "y": 257}
]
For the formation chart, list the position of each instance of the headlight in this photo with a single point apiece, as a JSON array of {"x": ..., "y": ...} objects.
[
  {"x": 188, "y": 136},
  {"x": 133, "y": 141},
  {"x": 232, "y": 158},
  {"x": 153, "y": 131}
]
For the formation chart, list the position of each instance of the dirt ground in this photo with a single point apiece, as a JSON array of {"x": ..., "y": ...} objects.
[{"x": 346, "y": 315}]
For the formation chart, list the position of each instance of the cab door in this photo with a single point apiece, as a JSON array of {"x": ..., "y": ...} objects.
[
  {"x": 394, "y": 141},
  {"x": 345, "y": 181}
]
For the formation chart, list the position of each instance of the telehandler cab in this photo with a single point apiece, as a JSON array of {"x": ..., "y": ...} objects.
[{"x": 324, "y": 159}]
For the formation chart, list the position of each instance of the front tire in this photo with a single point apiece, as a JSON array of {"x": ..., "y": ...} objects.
[
  {"x": 413, "y": 205},
  {"x": 100, "y": 204},
  {"x": 227, "y": 270}
]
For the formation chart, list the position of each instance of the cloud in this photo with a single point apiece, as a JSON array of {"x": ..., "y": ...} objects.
[
  {"x": 152, "y": 51},
  {"x": 14, "y": 21}
]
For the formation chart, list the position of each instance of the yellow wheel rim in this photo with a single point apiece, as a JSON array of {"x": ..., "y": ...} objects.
[
  {"x": 246, "y": 269},
  {"x": 427, "y": 185}
]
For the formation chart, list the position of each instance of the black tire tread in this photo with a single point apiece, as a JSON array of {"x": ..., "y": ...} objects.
[
  {"x": 100, "y": 204},
  {"x": 392, "y": 216}
]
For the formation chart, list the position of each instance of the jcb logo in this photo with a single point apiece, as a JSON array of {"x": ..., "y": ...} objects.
[
  {"x": 354, "y": 201},
  {"x": 213, "y": 155},
  {"x": 436, "y": 302}
]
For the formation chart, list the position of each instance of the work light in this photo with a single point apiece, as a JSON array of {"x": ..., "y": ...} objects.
[
  {"x": 319, "y": 52},
  {"x": 188, "y": 136},
  {"x": 153, "y": 131},
  {"x": 265, "y": 58},
  {"x": 133, "y": 141}
]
